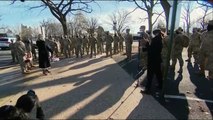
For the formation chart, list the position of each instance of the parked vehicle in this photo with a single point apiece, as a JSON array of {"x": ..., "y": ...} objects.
[{"x": 5, "y": 40}]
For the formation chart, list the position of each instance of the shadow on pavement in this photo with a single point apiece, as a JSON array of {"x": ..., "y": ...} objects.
[
  {"x": 204, "y": 87},
  {"x": 178, "y": 107},
  {"x": 92, "y": 93}
]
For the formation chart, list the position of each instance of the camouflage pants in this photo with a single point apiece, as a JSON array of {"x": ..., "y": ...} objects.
[
  {"x": 115, "y": 48},
  {"x": 67, "y": 51},
  {"x": 177, "y": 56},
  {"x": 121, "y": 46},
  {"x": 92, "y": 50},
  {"x": 129, "y": 51},
  {"x": 143, "y": 59},
  {"x": 195, "y": 51},
  {"x": 22, "y": 63},
  {"x": 99, "y": 48},
  {"x": 14, "y": 56},
  {"x": 109, "y": 49},
  {"x": 78, "y": 51}
]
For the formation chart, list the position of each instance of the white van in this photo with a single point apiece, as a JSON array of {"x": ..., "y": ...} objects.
[{"x": 5, "y": 40}]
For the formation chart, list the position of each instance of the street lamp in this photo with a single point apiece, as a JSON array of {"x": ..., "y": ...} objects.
[{"x": 114, "y": 26}]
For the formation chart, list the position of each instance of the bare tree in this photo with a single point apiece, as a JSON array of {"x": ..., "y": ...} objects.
[
  {"x": 186, "y": 15},
  {"x": 120, "y": 20},
  {"x": 60, "y": 9},
  {"x": 92, "y": 24},
  {"x": 148, "y": 7},
  {"x": 52, "y": 27},
  {"x": 78, "y": 24},
  {"x": 206, "y": 12}
]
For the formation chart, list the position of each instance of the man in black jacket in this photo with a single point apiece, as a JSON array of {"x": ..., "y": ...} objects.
[{"x": 154, "y": 49}]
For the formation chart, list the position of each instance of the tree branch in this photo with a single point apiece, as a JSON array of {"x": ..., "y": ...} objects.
[{"x": 157, "y": 18}]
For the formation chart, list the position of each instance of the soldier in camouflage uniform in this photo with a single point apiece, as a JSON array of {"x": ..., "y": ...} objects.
[
  {"x": 99, "y": 44},
  {"x": 165, "y": 49},
  {"x": 109, "y": 40},
  {"x": 92, "y": 43},
  {"x": 206, "y": 51},
  {"x": 52, "y": 44},
  {"x": 73, "y": 45},
  {"x": 194, "y": 45},
  {"x": 21, "y": 52},
  {"x": 145, "y": 38},
  {"x": 177, "y": 49},
  {"x": 128, "y": 42},
  {"x": 121, "y": 40},
  {"x": 78, "y": 46},
  {"x": 116, "y": 41},
  {"x": 13, "y": 52},
  {"x": 85, "y": 45},
  {"x": 66, "y": 44},
  {"x": 61, "y": 38}
]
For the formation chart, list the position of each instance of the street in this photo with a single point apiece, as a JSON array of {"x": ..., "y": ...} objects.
[{"x": 5, "y": 58}]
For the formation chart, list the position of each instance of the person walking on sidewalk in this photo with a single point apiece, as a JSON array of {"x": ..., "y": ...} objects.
[{"x": 43, "y": 54}]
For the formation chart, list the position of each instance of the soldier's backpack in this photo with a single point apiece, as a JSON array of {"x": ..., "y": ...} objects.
[{"x": 185, "y": 40}]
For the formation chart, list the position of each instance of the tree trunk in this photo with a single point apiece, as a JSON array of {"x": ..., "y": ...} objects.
[
  {"x": 166, "y": 7},
  {"x": 64, "y": 25},
  {"x": 150, "y": 21}
]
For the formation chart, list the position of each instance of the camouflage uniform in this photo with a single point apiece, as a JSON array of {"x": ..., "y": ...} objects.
[
  {"x": 73, "y": 45},
  {"x": 92, "y": 42},
  {"x": 78, "y": 46},
  {"x": 66, "y": 44},
  {"x": 13, "y": 52},
  {"x": 85, "y": 45},
  {"x": 99, "y": 44},
  {"x": 165, "y": 50},
  {"x": 128, "y": 43},
  {"x": 177, "y": 50},
  {"x": 21, "y": 52},
  {"x": 206, "y": 52},
  {"x": 116, "y": 40},
  {"x": 61, "y": 41},
  {"x": 194, "y": 45},
  {"x": 143, "y": 53},
  {"x": 52, "y": 44},
  {"x": 121, "y": 40},
  {"x": 109, "y": 40}
]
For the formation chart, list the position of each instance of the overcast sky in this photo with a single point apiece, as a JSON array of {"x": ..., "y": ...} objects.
[{"x": 18, "y": 13}]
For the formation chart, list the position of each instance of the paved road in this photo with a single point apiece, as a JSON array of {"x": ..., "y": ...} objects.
[
  {"x": 188, "y": 95},
  {"x": 5, "y": 58}
]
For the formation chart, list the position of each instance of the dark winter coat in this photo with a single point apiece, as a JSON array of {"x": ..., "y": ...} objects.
[{"x": 43, "y": 54}]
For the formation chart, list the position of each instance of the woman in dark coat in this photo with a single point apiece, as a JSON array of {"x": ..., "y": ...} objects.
[{"x": 43, "y": 54}]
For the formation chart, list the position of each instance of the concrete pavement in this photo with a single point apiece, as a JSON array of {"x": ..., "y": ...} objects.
[{"x": 96, "y": 88}]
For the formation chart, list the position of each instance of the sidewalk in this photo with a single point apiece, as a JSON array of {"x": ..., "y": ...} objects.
[{"x": 96, "y": 88}]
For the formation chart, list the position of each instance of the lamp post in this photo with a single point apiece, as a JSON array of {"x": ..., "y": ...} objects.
[{"x": 114, "y": 26}]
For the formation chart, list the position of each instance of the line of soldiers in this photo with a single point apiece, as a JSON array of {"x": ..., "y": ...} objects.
[
  {"x": 200, "y": 45},
  {"x": 80, "y": 45}
]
